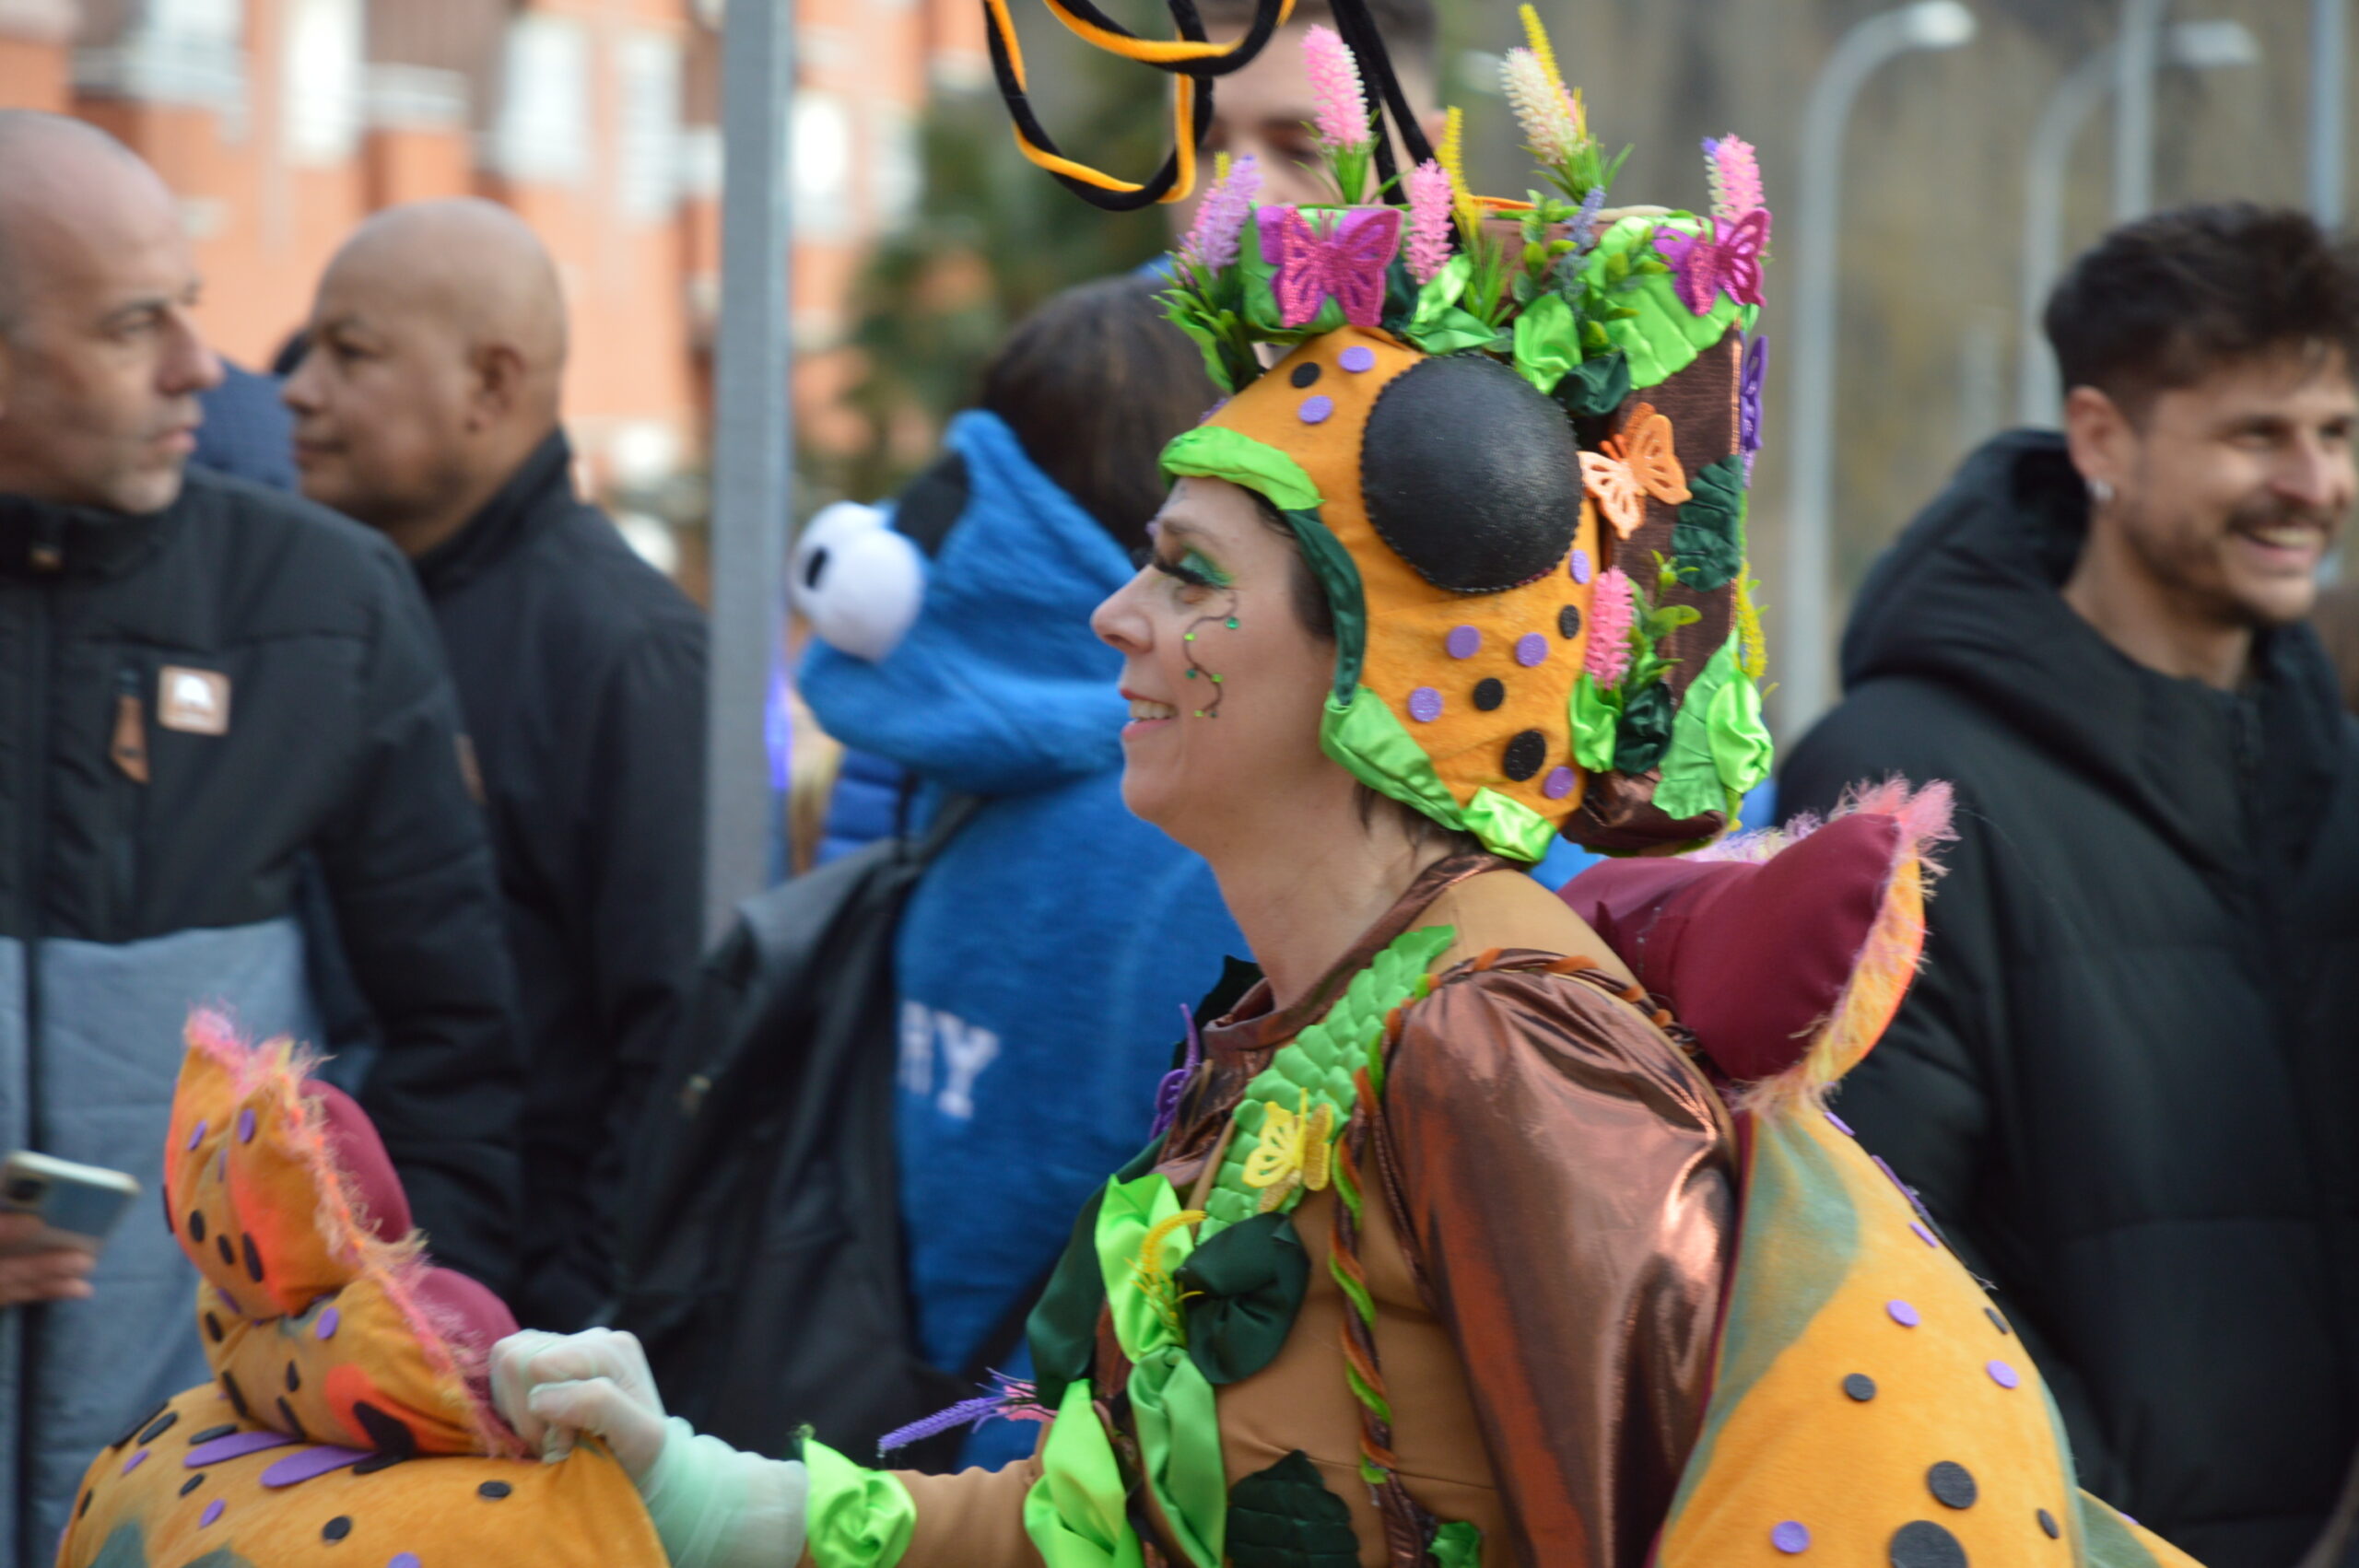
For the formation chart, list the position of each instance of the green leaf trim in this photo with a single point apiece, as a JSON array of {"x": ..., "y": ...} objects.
[
  {"x": 857, "y": 1517},
  {"x": 1364, "y": 735},
  {"x": 1062, "y": 1328},
  {"x": 1457, "y": 1545},
  {"x": 1718, "y": 748},
  {"x": 1708, "y": 540},
  {"x": 1660, "y": 335},
  {"x": 1594, "y": 715},
  {"x": 1240, "y": 1290},
  {"x": 1597, "y": 386},
  {"x": 1547, "y": 341},
  {"x": 1644, "y": 733},
  {"x": 1218, "y": 452},
  {"x": 1507, "y": 826},
  {"x": 1286, "y": 1517},
  {"x": 1339, "y": 576}
]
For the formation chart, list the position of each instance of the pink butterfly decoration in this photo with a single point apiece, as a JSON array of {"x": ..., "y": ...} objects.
[
  {"x": 1345, "y": 265},
  {"x": 1717, "y": 261}
]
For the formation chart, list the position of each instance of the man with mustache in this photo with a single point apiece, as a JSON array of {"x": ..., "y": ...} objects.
[
  {"x": 2124, "y": 1084},
  {"x": 204, "y": 686}
]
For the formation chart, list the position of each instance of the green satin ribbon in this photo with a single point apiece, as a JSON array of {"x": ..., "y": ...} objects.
[
  {"x": 1547, "y": 341},
  {"x": 1172, "y": 1407},
  {"x": 856, "y": 1517},
  {"x": 1077, "y": 1513},
  {"x": 1593, "y": 719},
  {"x": 1509, "y": 828},
  {"x": 1438, "y": 325}
]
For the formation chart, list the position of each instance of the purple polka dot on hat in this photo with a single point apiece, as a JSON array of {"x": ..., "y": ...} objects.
[
  {"x": 1530, "y": 649},
  {"x": 196, "y": 1135},
  {"x": 136, "y": 1460},
  {"x": 1903, "y": 1314},
  {"x": 329, "y": 1322},
  {"x": 1558, "y": 784},
  {"x": 1359, "y": 357},
  {"x": 1424, "y": 705},
  {"x": 212, "y": 1512},
  {"x": 1463, "y": 642},
  {"x": 246, "y": 1125},
  {"x": 402, "y": 1560},
  {"x": 1315, "y": 409},
  {"x": 1579, "y": 565},
  {"x": 2005, "y": 1377},
  {"x": 1790, "y": 1538},
  {"x": 1922, "y": 1233}
]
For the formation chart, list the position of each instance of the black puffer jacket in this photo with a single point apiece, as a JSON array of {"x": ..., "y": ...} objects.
[{"x": 2128, "y": 1081}]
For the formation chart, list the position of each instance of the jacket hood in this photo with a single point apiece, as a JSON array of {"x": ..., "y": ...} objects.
[
  {"x": 1969, "y": 597},
  {"x": 1000, "y": 687}
]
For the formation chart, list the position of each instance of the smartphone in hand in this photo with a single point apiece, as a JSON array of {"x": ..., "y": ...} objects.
[{"x": 77, "y": 1205}]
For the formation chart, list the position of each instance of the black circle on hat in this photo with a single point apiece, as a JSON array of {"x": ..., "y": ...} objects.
[{"x": 1472, "y": 476}]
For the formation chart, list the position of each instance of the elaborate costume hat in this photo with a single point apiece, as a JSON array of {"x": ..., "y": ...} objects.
[
  {"x": 348, "y": 1417},
  {"x": 1512, "y": 437}
]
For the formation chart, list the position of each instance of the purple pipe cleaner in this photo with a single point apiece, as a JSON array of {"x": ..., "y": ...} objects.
[
  {"x": 1010, "y": 1399},
  {"x": 1174, "y": 1083}
]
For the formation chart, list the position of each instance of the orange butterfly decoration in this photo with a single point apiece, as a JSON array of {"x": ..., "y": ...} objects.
[{"x": 1632, "y": 465}]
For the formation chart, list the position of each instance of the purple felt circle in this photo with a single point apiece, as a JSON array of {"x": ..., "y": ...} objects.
[
  {"x": 401, "y": 1560},
  {"x": 1579, "y": 565},
  {"x": 1558, "y": 784},
  {"x": 1463, "y": 642},
  {"x": 212, "y": 1512},
  {"x": 1792, "y": 1538},
  {"x": 1530, "y": 649},
  {"x": 311, "y": 1462},
  {"x": 1903, "y": 1314},
  {"x": 2005, "y": 1377},
  {"x": 136, "y": 1460},
  {"x": 235, "y": 1447},
  {"x": 1841, "y": 1125},
  {"x": 1424, "y": 705},
  {"x": 1315, "y": 409},
  {"x": 326, "y": 1327},
  {"x": 1359, "y": 357},
  {"x": 246, "y": 1125},
  {"x": 195, "y": 1136}
]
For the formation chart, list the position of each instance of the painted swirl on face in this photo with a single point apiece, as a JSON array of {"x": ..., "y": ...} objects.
[{"x": 1226, "y": 618}]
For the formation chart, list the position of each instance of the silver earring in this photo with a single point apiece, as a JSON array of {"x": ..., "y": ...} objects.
[{"x": 2101, "y": 492}]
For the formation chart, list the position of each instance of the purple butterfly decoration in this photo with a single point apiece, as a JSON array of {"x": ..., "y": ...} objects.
[
  {"x": 1345, "y": 265},
  {"x": 1714, "y": 262},
  {"x": 1748, "y": 407}
]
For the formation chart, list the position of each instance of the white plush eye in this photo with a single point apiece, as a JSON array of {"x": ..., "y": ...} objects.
[{"x": 857, "y": 582}]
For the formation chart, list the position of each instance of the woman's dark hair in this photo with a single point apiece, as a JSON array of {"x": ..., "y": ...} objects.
[
  {"x": 1318, "y": 618},
  {"x": 2161, "y": 303},
  {"x": 1094, "y": 383}
]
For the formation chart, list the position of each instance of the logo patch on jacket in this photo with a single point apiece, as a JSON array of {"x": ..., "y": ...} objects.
[{"x": 193, "y": 701}]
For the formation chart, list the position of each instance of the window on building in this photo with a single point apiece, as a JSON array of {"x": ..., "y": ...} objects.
[
  {"x": 820, "y": 153},
  {"x": 321, "y": 87},
  {"x": 544, "y": 130},
  {"x": 648, "y": 167}
]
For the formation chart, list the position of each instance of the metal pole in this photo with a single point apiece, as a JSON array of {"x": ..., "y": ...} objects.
[
  {"x": 752, "y": 449},
  {"x": 2330, "y": 77},
  {"x": 1929, "y": 24},
  {"x": 2059, "y": 126},
  {"x": 2136, "y": 53}
]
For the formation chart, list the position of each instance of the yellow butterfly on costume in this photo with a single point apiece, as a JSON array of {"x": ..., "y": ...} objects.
[
  {"x": 1296, "y": 1149},
  {"x": 1637, "y": 462}
]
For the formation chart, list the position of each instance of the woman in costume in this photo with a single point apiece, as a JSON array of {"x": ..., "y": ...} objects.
[{"x": 1450, "y": 1247}]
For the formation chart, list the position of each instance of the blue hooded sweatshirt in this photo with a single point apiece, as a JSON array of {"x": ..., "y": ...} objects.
[{"x": 1044, "y": 958}]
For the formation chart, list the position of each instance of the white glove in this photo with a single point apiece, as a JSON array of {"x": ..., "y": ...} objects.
[{"x": 552, "y": 1386}]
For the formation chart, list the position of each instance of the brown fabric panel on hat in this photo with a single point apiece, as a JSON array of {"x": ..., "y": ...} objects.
[{"x": 1701, "y": 403}]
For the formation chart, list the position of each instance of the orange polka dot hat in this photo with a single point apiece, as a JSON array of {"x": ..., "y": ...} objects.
[{"x": 349, "y": 1419}]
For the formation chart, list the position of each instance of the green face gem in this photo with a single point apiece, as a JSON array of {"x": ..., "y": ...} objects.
[
  {"x": 1215, "y": 680},
  {"x": 1187, "y": 636},
  {"x": 1191, "y": 675},
  {"x": 1232, "y": 623}
]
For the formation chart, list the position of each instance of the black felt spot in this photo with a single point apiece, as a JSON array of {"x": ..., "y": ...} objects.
[
  {"x": 211, "y": 1433},
  {"x": 170, "y": 1224},
  {"x": 162, "y": 1425},
  {"x": 229, "y": 1253},
  {"x": 294, "y": 1427},
  {"x": 192, "y": 1483},
  {"x": 1953, "y": 1484},
  {"x": 493, "y": 1490},
  {"x": 2047, "y": 1524},
  {"x": 84, "y": 1506},
  {"x": 375, "y": 1462},
  {"x": 1861, "y": 1387},
  {"x": 197, "y": 1224},
  {"x": 237, "y": 1397},
  {"x": 254, "y": 1259},
  {"x": 336, "y": 1529},
  {"x": 1472, "y": 476},
  {"x": 386, "y": 1434},
  {"x": 1568, "y": 621},
  {"x": 1305, "y": 373},
  {"x": 1489, "y": 694},
  {"x": 137, "y": 1427},
  {"x": 1995, "y": 1321},
  {"x": 294, "y": 1378},
  {"x": 213, "y": 1328},
  {"x": 1524, "y": 755},
  {"x": 1920, "y": 1543}
]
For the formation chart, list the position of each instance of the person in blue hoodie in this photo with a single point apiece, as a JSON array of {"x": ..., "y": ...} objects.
[{"x": 1041, "y": 959}]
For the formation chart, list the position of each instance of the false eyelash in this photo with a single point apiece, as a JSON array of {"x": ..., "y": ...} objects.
[{"x": 1181, "y": 570}]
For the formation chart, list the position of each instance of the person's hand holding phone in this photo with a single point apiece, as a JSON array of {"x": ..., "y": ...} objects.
[{"x": 61, "y": 1273}]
